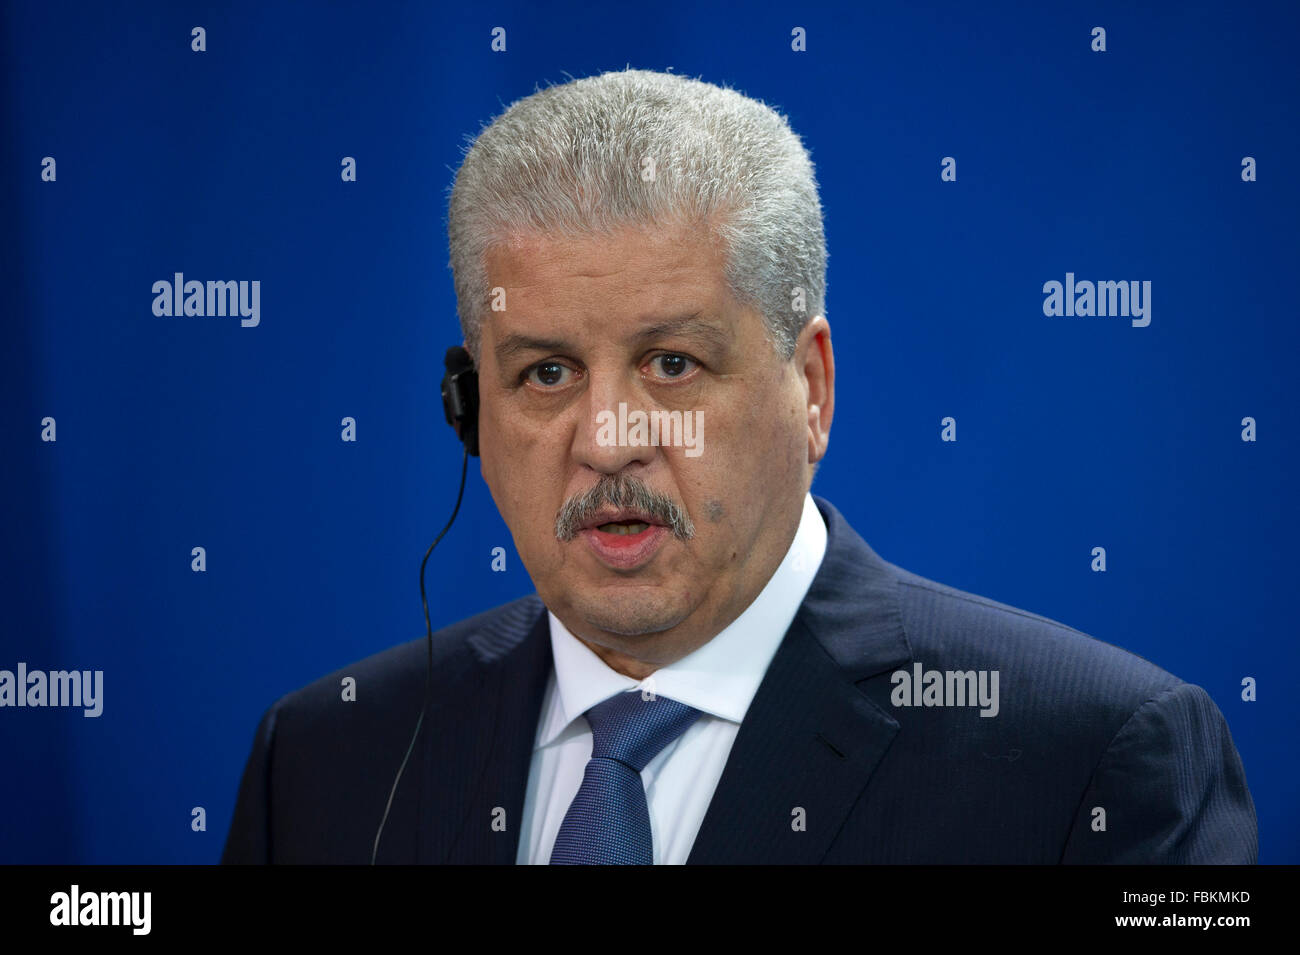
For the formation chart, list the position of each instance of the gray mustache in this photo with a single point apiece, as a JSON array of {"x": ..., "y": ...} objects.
[{"x": 622, "y": 491}]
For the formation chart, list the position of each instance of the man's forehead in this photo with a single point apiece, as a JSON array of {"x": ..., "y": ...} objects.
[
  {"x": 678, "y": 289},
  {"x": 632, "y": 249}
]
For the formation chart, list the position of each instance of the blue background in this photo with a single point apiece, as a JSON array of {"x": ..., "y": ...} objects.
[{"x": 177, "y": 432}]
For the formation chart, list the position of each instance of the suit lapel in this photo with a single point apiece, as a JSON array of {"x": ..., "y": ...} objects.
[
  {"x": 484, "y": 721},
  {"x": 811, "y": 739}
]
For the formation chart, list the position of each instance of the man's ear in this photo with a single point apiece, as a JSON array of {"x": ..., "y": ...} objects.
[{"x": 815, "y": 362}]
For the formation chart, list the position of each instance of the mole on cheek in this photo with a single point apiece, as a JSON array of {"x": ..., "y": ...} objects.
[{"x": 715, "y": 511}]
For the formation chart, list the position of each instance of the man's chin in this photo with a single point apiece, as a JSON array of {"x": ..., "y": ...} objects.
[{"x": 629, "y": 617}]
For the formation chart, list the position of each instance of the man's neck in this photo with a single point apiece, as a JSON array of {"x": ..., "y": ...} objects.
[{"x": 663, "y": 649}]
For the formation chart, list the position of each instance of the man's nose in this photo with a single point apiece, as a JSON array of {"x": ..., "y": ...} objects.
[{"x": 600, "y": 440}]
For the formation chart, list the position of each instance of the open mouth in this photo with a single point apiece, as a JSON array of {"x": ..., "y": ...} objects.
[
  {"x": 625, "y": 544},
  {"x": 623, "y": 527}
]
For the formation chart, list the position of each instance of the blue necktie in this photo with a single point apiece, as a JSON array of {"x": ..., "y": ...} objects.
[{"x": 608, "y": 822}]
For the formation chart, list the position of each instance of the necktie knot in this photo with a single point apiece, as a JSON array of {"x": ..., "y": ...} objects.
[
  {"x": 634, "y": 727},
  {"x": 608, "y": 821}
]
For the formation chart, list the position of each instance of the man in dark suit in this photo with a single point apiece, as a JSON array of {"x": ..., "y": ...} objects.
[{"x": 715, "y": 666}]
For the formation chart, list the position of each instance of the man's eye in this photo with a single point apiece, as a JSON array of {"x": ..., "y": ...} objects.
[
  {"x": 549, "y": 374},
  {"x": 672, "y": 366}
]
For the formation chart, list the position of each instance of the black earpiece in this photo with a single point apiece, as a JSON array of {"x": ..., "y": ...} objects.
[
  {"x": 460, "y": 404},
  {"x": 460, "y": 396}
]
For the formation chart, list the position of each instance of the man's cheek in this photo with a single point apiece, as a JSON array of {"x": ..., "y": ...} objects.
[{"x": 521, "y": 436}]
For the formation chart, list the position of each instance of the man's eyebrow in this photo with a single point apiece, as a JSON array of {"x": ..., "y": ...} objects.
[
  {"x": 687, "y": 326},
  {"x": 515, "y": 343}
]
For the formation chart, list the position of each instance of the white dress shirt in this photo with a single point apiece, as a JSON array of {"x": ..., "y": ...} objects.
[{"x": 719, "y": 679}]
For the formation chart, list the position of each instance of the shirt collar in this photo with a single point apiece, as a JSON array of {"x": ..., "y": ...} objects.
[{"x": 719, "y": 678}]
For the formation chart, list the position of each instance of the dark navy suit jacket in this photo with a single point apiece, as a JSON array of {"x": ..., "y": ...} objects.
[{"x": 1081, "y": 726}]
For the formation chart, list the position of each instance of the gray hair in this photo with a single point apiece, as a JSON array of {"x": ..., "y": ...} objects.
[
  {"x": 622, "y": 491},
  {"x": 570, "y": 161}
]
